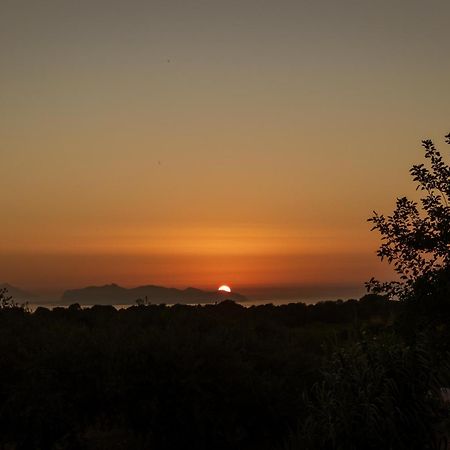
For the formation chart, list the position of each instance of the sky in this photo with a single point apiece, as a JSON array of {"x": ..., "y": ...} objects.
[{"x": 197, "y": 143}]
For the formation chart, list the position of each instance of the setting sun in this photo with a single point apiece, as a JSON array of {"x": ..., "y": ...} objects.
[{"x": 224, "y": 288}]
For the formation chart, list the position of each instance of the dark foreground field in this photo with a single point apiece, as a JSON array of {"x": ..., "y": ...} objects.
[{"x": 156, "y": 377}]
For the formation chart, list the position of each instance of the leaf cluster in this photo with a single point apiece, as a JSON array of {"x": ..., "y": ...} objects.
[{"x": 416, "y": 236}]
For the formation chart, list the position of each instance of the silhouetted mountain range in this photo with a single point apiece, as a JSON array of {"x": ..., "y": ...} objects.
[
  {"x": 114, "y": 294},
  {"x": 17, "y": 293}
]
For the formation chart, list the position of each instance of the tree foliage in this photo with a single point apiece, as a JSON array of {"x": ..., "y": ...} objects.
[
  {"x": 416, "y": 236},
  {"x": 6, "y": 300},
  {"x": 384, "y": 391}
]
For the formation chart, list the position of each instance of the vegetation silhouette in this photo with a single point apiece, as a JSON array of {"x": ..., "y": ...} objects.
[
  {"x": 158, "y": 377},
  {"x": 385, "y": 390},
  {"x": 416, "y": 240}
]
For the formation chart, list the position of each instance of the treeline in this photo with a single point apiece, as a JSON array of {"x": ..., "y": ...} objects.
[{"x": 157, "y": 377}]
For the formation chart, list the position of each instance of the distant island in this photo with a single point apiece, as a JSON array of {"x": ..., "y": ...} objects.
[
  {"x": 115, "y": 294},
  {"x": 17, "y": 293}
]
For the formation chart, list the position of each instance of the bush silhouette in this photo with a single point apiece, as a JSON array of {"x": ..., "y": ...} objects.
[{"x": 156, "y": 377}]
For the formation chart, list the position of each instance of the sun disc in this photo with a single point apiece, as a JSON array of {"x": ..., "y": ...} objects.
[{"x": 224, "y": 288}]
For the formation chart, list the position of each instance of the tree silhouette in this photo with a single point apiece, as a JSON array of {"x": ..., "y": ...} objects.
[
  {"x": 416, "y": 237},
  {"x": 6, "y": 300}
]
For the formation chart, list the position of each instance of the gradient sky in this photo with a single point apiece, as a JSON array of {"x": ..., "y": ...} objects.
[{"x": 208, "y": 142}]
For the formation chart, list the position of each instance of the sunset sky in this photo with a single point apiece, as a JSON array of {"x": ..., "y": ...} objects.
[{"x": 197, "y": 143}]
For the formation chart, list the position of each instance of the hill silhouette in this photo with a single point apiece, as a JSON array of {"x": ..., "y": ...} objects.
[
  {"x": 17, "y": 293},
  {"x": 115, "y": 294}
]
